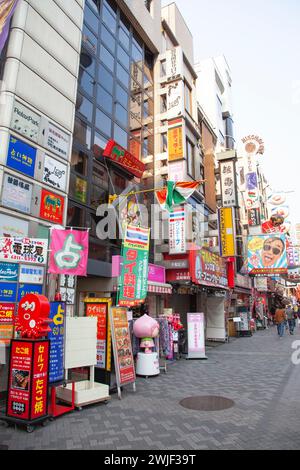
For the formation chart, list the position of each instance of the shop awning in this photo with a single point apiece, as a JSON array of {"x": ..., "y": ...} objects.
[{"x": 159, "y": 287}]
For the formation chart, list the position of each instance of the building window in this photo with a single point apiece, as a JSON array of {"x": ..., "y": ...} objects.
[
  {"x": 79, "y": 162},
  {"x": 163, "y": 142},
  {"x": 190, "y": 155},
  {"x": 188, "y": 98},
  {"x": 163, "y": 68},
  {"x": 148, "y": 5},
  {"x": 163, "y": 103}
]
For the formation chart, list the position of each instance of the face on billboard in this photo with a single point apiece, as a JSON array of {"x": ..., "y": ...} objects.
[{"x": 272, "y": 251}]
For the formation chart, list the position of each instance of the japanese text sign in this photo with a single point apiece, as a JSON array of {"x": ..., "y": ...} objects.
[
  {"x": 208, "y": 269},
  {"x": 175, "y": 143},
  {"x": 122, "y": 157},
  {"x": 100, "y": 310},
  {"x": 29, "y": 250},
  {"x": 177, "y": 231},
  {"x": 226, "y": 231},
  {"x": 228, "y": 183},
  {"x": 56, "y": 337},
  {"x": 8, "y": 292},
  {"x": 52, "y": 207},
  {"x": 21, "y": 156},
  {"x": 7, "y": 313},
  {"x": 69, "y": 252}
]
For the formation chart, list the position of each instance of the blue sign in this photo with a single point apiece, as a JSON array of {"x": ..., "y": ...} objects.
[
  {"x": 8, "y": 272},
  {"x": 29, "y": 289},
  {"x": 8, "y": 292},
  {"x": 21, "y": 156},
  {"x": 56, "y": 336}
]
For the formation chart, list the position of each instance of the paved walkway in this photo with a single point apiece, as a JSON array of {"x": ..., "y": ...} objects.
[{"x": 256, "y": 372}]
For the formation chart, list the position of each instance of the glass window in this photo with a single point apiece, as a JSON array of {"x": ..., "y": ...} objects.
[
  {"x": 119, "y": 182},
  {"x": 86, "y": 81},
  {"x": 89, "y": 39},
  {"x": 123, "y": 38},
  {"x": 145, "y": 147},
  {"x": 93, "y": 5},
  {"x": 104, "y": 99},
  {"x": 82, "y": 133},
  {"x": 103, "y": 122},
  {"x": 124, "y": 23},
  {"x": 107, "y": 38},
  {"x": 78, "y": 188},
  {"x": 79, "y": 162},
  {"x": 75, "y": 216},
  {"x": 164, "y": 142},
  {"x": 121, "y": 96},
  {"x": 123, "y": 57},
  {"x": 122, "y": 75},
  {"x": 109, "y": 19},
  {"x": 187, "y": 98},
  {"x": 107, "y": 58},
  {"x": 163, "y": 68},
  {"x": 190, "y": 158},
  {"x": 91, "y": 19},
  {"x": 84, "y": 107},
  {"x": 87, "y": 62},
  {"x": 137, "y": 74},
  {"x": 105, "y": 78},
  {"x": 120, "y": 136},
  {"x": 121, "y": 115},
  {"x": 146, "y": 108},
  {"x": 100, "y": 140},
  {"x": 99, "y": 190},
  {"x": 163, "y": 103}
]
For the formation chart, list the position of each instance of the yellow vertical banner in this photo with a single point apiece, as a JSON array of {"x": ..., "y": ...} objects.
[
  {"x": 175, "y": 143},
  {"x": 226, "y": 232}
]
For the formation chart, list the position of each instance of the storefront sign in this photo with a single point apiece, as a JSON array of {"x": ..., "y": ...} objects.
[
  {"x": 100, "y": 310},
  {"x": 254, "y": 217},
  {"x": 28, "y": 379},
  {"x": 56, "y": 337},
  {"x": 31, "y": 274},
  {"x": 25, "y": 121},
  {"x": 208, "y": 269},
  {"x": 267, "y": 254},
  {"x": 7, "y": 313},
  {"x": 69, "y": 252},
  {"x": 55, "y": 173},
  {"x": 124, "y": 363},
  {"x": 174, "y": 275},
  {"x": 16, "y": 194},
  {"x": 228, "y": 183},
  {"x": 122, "y": 157},
  {"x": 57, "y": 141},
  {"x": 13, "y": 227},
  {"x": 8, "y": 291},
  {"x": 174, "y": 63},
  {"x": 25, "y": 289},
  {"x": 196, "y": 336},
  {"x": 21, "y": 156},
  {"x": 175, "y": 98},
  {"x": 175, "y": 143},
  {"x": 52, "y": 207},
  {"x": 8, "y": 272},
  {"x": 226, "y": 231},
  {"x": 134, "y": 276},
  {"x": 177, "y": 231},
  {"x": 26, "y": 250}
]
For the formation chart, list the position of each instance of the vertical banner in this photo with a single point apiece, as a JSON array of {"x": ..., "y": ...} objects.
[
  {"x": 196, "y": 336},
  {"x": 7, "y": 311},
  {"x": 174, "y": 63},
  {"x": 56, "y": 337},
  {"x": 228, "y": 183},
  {"x": 124, "y": 363},
  {"x": 175, "y": 142},
  {"x": 177, "y": 231},
  {"x": 99, "y": 308},
  {"x": 226, "y": 231},
  {"x": 69, "y": 252},
  {"x": 134, "y": 275}
]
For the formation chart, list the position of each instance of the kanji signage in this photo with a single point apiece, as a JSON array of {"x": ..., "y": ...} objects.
[
  {"x": 177, "y": 231},
  {"x": 28, "y": 379},
  {"x": 122, "y": 157},
  {"x": 25, "y": 289},
  {"x": 134, "y": 276},
  {"x": 208, "y": 269},
  {"x": 31, "y": 274},
  {"x": 28, "y": 250},
  {"x": 99, "y": 308},
  {"x": 16, "y": 194},
  {"x": 175, "y": 143},
  {"x": 226, "y": 231},
  {"x": 52, "y": 207},
  {"x": 69, "y": 252},
  {"x": 56, "y": 337},
  {"x": 196, "y": 335},
  {"x": 228, "y": 183},
  {"x": 7, "y": 313},
  {"x": 21, "y": 156},
  {"x": 8, "y": 291}
]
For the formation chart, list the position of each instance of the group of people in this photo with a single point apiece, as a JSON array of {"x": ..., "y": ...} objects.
[{"x": 285, "y": 319}]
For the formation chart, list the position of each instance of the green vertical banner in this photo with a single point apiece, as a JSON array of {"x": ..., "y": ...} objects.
[{"x": 134, "y": 275}]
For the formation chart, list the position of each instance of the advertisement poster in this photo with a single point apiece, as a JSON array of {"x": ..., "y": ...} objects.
[
  {"x": 27, "y": 250},
  {"x": 8, "y": 291},
  {"x": 196, "y": 336},
  {"x": 267, "y": 254},
  {"x": 124, "y": 363},
  {"x": 226, "y": 231},
  {"x": 7, "y": 311},
  {"x": 100, "y": 310},
  {"x": 25, "y": 121},
  {"x": 21, "y": 156},
  {"x": 208, "y": 269},
  {"x": 9, "y": 272},
  {"x": 134, "y": 275},
  {"x": 69, "y": 252},
  {"x": 29, "y": 289},
  {"x": 55, "y": 173},
  {"x": 31, "y": 274},
  {"x": 52, "y": 207},
  {"x": 56, "y": 337},
  {"x": 16, "y": 194},
  {"x": 175, "y": 143},
  {"x": 177, "y": 231},
  {"x": 228, "y": 183},
  {"x": 57, "y": 141}
]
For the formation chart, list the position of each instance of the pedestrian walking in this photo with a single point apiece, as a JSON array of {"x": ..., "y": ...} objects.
[
  {"x": 280, "y": 319},
  {"x": 289, "y": 311}
]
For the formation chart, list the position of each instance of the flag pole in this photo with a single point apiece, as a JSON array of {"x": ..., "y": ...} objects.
[{"x": 133, "y": 193}]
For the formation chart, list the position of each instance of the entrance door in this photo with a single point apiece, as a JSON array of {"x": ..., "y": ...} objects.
[{"x": 215, "y": 326}]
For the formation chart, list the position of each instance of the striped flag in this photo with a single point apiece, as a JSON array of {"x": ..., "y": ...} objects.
[
  {"x": 176, "y": 193},
  {"x": 137, "y": 236}
]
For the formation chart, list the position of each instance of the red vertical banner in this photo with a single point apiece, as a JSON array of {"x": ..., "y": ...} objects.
[{"x": 39, "y": 391}]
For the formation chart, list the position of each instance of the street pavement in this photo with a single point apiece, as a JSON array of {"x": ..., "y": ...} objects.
[{"x": 257, "y": 373}]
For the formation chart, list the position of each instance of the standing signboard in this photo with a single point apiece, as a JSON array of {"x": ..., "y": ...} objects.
[
  {"x": 196, "y": 336},
  {"x": 123, "y": 357},
  {"x": 56, "y": 337},
  {"x": 99, "y": 308}
]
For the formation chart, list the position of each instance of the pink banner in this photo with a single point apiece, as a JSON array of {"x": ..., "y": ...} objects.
[{"x": 69, "y": 252}]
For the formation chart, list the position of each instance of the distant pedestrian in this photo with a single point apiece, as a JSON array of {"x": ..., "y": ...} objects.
[
  {"x": 280, "y": 319},
  {"x": 289, "y": 311}
]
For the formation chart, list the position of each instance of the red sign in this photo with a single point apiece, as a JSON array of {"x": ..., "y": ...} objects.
[
  {"x": 52, "y": 206},
  {"x": 32, "y": 319},
  {"x": 122, "y": 157},
  {"x": 124, "y": 364},
  {"x": 99, "y": 311},
  {"x": 7, "y": 313},
  {"x": 178, "y": 275},
  {"x": 28, "y": 379},
  {"x": 208, "y": 269}
]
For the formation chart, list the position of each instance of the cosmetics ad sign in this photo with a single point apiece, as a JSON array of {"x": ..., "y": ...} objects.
[{"x": 267, "y": 255}]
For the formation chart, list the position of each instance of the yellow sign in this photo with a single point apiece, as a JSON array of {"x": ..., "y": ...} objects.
[
  {"x": 226, "y": 232},
  {"x": 175, "y": 143}
]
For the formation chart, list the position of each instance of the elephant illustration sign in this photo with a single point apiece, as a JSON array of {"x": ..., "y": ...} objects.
[{"x": 52, "y": 207}]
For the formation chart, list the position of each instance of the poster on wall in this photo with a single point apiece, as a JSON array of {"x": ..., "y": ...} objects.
[
  {"x": 267, "y": 254},
  {"x": 99, "y": 308},
  {"x": 55, "y": 173},
  {"x": 21, "y": 156},
  {"x": 16, "y": 194},
  {"x": 56, "y": 337},
  {"x": 25, "y": 121},
  {"x": 52, "y": 207},
  {"x": 196, "y": 336},
  {"x": 26, "y": 250}
]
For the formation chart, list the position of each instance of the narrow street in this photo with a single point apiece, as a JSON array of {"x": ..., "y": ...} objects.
[{"x": 257, "y": 373}]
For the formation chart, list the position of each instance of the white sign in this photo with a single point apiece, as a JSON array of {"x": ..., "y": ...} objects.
[
  {"x": 25, "y": 122},
  {"x": 16, "y": 194},
  {"x": 175, "y": 98},
  {"x": 196, "y": 336},
  {"x": 31, "y": 274},
  {"x": 176, "y": 171},
  {"x": 228, "y": 183},
  {"x": 57, "y": 141},
  {"x": 55, "y": 173},
  {"x": 13, "y": 227},
  {"x": 177, "y": 231},
  {"x": 26, "y": 250},
  {"x": 174, "y": 63}
]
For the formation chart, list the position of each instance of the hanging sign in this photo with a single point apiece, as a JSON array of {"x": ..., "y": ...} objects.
[
  {"x": 69, "y": 252},
  {"x": 9, "y": 272},
  {"x": 267, "y": 254},
  {"x": 28, "y": 250},
  {"x": 226, "y": 231},
  {"x": 16, "y": 194},
  {"x": 228, "y": 183},
  {"x": 122, "y": 157},
  {"x": 174, "y": 63},
  {"x": 99, "y": 308},
  {"x": 21, "y": 156},
  {"x": 52, "y": 207},
  {"x": 177, "y": 231},
  {"x": 134, "y": 275},
  {"x": 56, "y": 337},
  {"x": 196, "y": 336},
  {"x": 175, "y": 143},
  {"x": 254, "y": 219}
]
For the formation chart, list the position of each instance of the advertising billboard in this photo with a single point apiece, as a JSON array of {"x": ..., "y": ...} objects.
[{"x": 267, "y": 254}]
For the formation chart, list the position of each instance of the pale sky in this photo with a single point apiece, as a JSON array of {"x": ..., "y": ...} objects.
[{"x": 261, "y": 42}]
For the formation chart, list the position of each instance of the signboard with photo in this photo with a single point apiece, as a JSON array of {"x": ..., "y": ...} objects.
[
  {"x": 25, "y": 121},
  {"x": 21, "y": 156},
  {"x": 267, "y": 254},
  {"x": 55, "y": 173},
  {"x": 16, "y": 194}
]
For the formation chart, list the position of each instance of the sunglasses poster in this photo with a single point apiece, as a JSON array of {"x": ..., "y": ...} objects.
[{"x": 267, "y": 254}]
